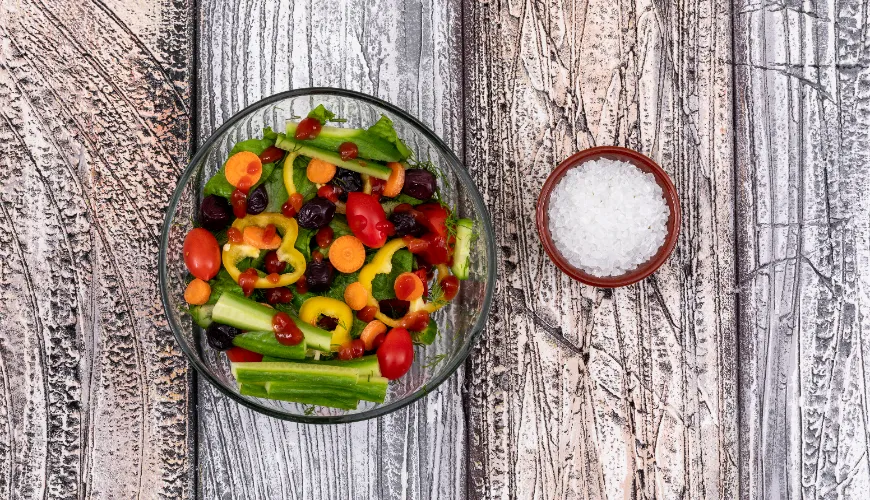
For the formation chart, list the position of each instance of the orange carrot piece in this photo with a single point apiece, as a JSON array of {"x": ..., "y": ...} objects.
[
  {"x": 197, "y": 292},
  {"x": 408, "y": 286},
  {"x": 371, "y": 332},
  {"x": 257, "y": 237},
  {"x": 347, "y": 254},
  {"x": 356, "y": 296},
  {"x": 319, "y": 171},
  {"x": 396, "y": 180},
  {"x": 243, "y": 169}
]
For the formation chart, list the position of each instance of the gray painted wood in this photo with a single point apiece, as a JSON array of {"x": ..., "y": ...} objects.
[
  {"x": 408, "y": 53},
  {"x": 584, "y": 393},
  {"x": 803, "y": 101},
  {"x": 94, "y": 127}
]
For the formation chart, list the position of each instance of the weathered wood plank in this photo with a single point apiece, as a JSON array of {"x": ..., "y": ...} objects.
[
  {"x": 803, "y": 105},
  {"x": 585, "y": 393},
  {"x": 409, "y": 53},
  {"x": 94, "y": 127}
]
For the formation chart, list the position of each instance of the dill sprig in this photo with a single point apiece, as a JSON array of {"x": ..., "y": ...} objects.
[{"x": 434, "y": 360}]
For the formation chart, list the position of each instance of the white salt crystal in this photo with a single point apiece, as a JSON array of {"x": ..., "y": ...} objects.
[{"x": 607, "y": 217}]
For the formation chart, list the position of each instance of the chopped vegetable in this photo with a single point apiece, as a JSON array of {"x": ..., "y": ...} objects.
[
  {"x": 408, "y": 286},
  {"x": 243, "y": 170},
  {"x": 197, "y": 292},
  {"x": 314, "y": 307},
  {"x": 347, "y": 254},
  {"x": 396, "y": 180},
  {"x": 356, "y": 296},
  {"x": 319, "y": 171},
  {"x": 371, "y": 331}
]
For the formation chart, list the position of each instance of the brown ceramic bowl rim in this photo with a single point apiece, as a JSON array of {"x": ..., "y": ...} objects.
[{"x": 645, "y": 164}]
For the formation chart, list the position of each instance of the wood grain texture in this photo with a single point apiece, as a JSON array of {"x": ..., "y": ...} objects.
[
  {"x": 803, "y": 145},
  {"x": 409, "y": 53},
  {"x": 585, "y": 393},
  {"x": 94, "y": 124}
]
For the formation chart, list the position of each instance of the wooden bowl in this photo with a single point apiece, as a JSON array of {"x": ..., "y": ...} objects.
[{"x": 641, "y": 162}]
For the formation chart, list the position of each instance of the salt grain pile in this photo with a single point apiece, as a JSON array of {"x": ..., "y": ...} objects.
[{"x": 607, "y": 217}]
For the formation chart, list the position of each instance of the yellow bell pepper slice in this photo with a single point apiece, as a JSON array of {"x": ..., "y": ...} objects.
[
  {"x": 288, "y": 173},
  {"x": 315, "y": 306},
  {"x": 233, "y": 253},
  {"x": 381, "y": 263}
]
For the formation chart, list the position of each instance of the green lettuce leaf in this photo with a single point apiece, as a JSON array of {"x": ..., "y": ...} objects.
[
  {"x": 382, "y": 285},
  {"x": 384, "y": 129},
  {"x": 321, "y": 114},
  {"x": 218, "y": 184}
]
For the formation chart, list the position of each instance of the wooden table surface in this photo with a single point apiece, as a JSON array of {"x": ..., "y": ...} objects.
[{"x": 740, "y": 369}]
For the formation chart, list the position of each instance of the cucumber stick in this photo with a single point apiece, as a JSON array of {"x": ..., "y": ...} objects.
[
  {"x": 373, "y": 389},
  {"x": 245, "y": 314},
  {"x": 242, "y": 313},
  {"x": 462, "y": 252},
  {"x": 303, "y": 396},
  {"x": 201, "y": 315},
  {"x": 287, "y": 371},
  {"x": 372, "y": 168},
  {"x": 266, "y": 344},
  {"x": 367, "y": 365},
  {"x": 369, "y": 146}
]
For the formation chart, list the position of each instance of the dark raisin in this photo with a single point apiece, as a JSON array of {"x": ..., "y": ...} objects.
[
  {"x": 394, "y": 308},
  {"x": 348, "y": 181},
  {"x": 319, "y": 276},
  {"x": 258, "y": 199},
  {"x": 316, "y": 213},
  {"x": 406, "y": 224},
  {"x": 215, "y": 213},
  {"x": 327, "y": 323},
  {"x": 220, "y": 336},
  {"x": 419, "y": 183}
]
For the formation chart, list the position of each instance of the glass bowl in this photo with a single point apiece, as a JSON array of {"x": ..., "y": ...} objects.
[{"x": 460, "y": 322}]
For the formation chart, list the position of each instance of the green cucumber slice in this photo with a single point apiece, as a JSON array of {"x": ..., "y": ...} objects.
[
  {"x": 316, "y": 338},
  {"x": 462, "y": 252},
  {"x": 372, "y": 168},
  {"x": 201, "y": 315},
  {"x": 266, "y": 344}
]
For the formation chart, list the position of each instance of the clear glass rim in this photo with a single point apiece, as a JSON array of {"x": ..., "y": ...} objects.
[{"x": 458, "y": 168}]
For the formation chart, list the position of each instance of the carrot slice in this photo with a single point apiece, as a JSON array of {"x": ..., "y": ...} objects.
[
  {"x": 371, "y": 332},
  {"x": 396, "y": 180},
  {"x": 319, "y": 171},
  {"x": 408, "y": 286},
  {"x": 243, "y": 169},
  {"x": 356, "y": 296},
  {"x": 197, "y": 292},
  {"x": 347, "y": 254},
  {"x": 261, "y": 238}
]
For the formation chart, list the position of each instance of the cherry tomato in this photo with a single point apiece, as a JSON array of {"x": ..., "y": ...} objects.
[
  {"x": 345, "y": 353},
  {"x": 329, "y": 192},
  {"x": 271, "y": 155},
  {"x": 367, "y": 313},
  {"x": 248, "y": 280},
  {"x": 239, "y": 355},
  {"x": 202, "y": 255},
  {"x": 366, "y": 219},
  {"x": 396, "y": 354},
  {"x": 239, "y": 201},
  {"x": 436, "y": 216},
  {"x": 274, "y": 264},
  {"x": 436, "y": 251},
  {"x": 358, "y": 347},
  {"x": 308, "y": 128},
  {"x": 280, "y": 295}
]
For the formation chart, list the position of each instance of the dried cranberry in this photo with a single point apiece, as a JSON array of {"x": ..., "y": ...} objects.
[
  {"x": 349, "y": 182},
  {"x": 327, "y": 323},
  {"x": 220, "y": 336},
  {"x": 258, "y": 199},
  {"x": 419, "y": 183},
  {"x": 405, "y": 224},
  {"x": 394, "y": 308},
  {"x": 358, "y": 348},
  {"x": 273, "y": 263},
  {"x": 280, "y": 295},
  {"x": 367, "y": 313},
  {"x": 308, "y": 128},
  {"x": 324, "y": 236},
  {"x": 348, "y": 150},
  {"x": 319, "y": 276},
  {"x": 316, "y": 213},
  {"x": 214, "y": 213}
]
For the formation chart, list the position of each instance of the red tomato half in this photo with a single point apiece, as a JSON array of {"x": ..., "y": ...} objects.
[
  {"x": 202, "y": 255},
  {"x": 436, "y": 217},
  {"x": 239, "y": 355},
  {"x": 367, "y": 219},
  {"x": 396, "y": 354}
]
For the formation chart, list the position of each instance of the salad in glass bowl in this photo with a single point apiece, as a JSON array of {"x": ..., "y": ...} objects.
[{"x": 320, "y": 257}]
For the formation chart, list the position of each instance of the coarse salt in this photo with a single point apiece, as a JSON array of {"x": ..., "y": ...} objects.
[{"x": 607, "y": 217}]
